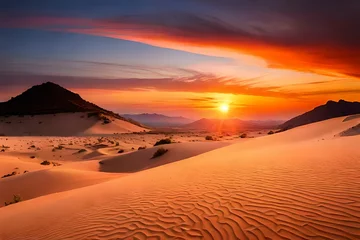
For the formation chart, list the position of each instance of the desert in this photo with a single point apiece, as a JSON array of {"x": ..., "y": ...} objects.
[
  {"x": 179, "y": 119},
  {"x": 103, "y": 181}
]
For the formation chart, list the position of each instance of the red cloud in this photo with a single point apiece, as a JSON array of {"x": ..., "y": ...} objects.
[{"x": 289, "y": 49}]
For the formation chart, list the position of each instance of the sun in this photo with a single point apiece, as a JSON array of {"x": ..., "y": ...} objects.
[{"x": 224, "y": 108}]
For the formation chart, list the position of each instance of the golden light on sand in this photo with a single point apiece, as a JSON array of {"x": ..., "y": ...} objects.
[{"x": 224, "y": 108}]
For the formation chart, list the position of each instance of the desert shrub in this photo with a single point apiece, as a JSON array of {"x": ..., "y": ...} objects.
[
  {"x": 270, "y": 132},
  {"x": 141, "y": 148},
  {"x": 55, "y": 164},
  {"x": 105, "y": 120},
  {"x": 160, "y": 152},
  {"x": 121, "y": 151},
  {"x": 244, "y": 135},
  {"x": 32, "y": 157},
  {"x": 163, "y": 141},
  {"x": 57, "y": 148},
  {"x": 82, "y": 151},
  {"x": 209, "y": 138},
  {"x": 9, "y": 175},
  {"x": 16, "y": 199},
  {"x": 46, "y": 162},
  {"x": 117, "y": 144},
  {"x": 99, "y": 116}
]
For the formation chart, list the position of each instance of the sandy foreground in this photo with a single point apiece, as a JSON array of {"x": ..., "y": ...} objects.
[{"x": 299, "y": 184}]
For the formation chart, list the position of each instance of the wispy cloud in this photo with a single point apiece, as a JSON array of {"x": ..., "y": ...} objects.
[
  {"x": 197, "y": 83},
  {"x": 287, "y": 34}
]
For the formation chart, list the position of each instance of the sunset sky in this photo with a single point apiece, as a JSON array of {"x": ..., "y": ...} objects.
[{"x": 267, "y": 59}]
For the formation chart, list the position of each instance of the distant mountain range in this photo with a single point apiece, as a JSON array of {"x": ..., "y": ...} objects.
[
  {"x": 230, "y": 125},
  {"x": 50, "y": 98},
  {"x": 331, "y": 109},
  {"x": 158, "y": 120}
]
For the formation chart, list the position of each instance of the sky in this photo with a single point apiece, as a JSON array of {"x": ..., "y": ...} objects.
[{"x": 266, "y": 59}]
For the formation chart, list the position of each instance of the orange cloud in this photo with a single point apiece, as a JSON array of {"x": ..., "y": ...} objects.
[{"x": 285, "y": 49}]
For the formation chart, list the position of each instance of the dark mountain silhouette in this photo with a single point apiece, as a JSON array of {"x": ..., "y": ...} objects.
[
  {"x": 158, "y": 120},
  {"x": 331, "y": 109},
  {"x": 230, "y": 125},
  {"x": 50, "y": 98}
]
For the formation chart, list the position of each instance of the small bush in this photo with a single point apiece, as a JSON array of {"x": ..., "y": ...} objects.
[
  {"x": 16, "y": 199},
  {"x": 46, "y": 162},
  {"x": 105, "y": 120},
  {"x": 9, "y": 175},
  {"x": 141, "y": 148},
  {"x": 82, "y": 151},
  {"x": 32, "y": 157},
  {"x": 57, "y": 148},
  {"x": 270, "y": 132},
  {"x": 55, "y": 164},
  {"x": 121, "y": 151},
  {"x": 163, "y": 141},
  {"x": 244, "y": 135},
  {"x": 160, "y": 152},
  {"x": 209, "y": 138}
]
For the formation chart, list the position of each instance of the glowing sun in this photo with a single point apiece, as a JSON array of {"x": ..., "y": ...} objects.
[{"x": 224, "y": 108}]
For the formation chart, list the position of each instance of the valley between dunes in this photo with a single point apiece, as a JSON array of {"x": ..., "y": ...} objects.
[{"x": 299, "y": 184}]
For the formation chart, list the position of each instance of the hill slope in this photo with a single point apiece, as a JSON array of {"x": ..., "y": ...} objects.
[
  {"x": 331, "y": 109},
  {"x": 47, "y": 109},
  {"x": 47, "y": 98},
  {"x": 50, "y": 98}
]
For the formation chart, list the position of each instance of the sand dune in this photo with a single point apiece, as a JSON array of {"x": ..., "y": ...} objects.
[
  {"x": 299, "y": 184},
  {"x": 62, "y": 124},
  {"x": 140, "y": 160},
  {"x": 9, "y": 164},
  {"x": 38, "y": 183},
  {"x": 351, "y": 117}
]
